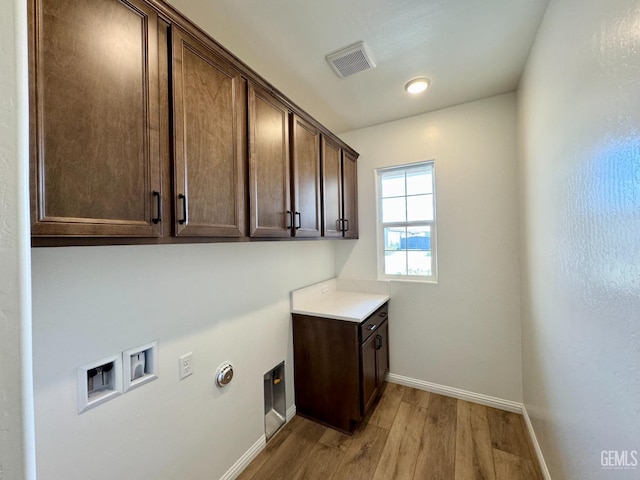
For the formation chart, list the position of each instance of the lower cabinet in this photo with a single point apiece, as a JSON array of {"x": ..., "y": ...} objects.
[
  {"x": 339, "y": 367},
  {"x": 374, "y": 358}
]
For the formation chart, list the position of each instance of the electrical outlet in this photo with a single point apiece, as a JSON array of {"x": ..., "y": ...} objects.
[
  {"x": 186, "y": 365},
  {"x": 325, "y": 288}
]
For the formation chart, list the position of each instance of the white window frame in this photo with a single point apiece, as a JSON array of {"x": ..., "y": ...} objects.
[{"x": 380, "y": 226}]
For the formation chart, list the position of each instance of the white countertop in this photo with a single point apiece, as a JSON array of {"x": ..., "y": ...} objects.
[{"x": 323, "y": 300}]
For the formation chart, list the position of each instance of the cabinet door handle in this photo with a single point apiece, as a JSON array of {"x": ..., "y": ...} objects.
[
  {"x": 158, "y": 219},
  {"x": 290, "y": 220},
  {"x": 299, "y": 224},
  {"x": 372, "y": 327},
  {"x": 378, "y": 342},
  {"x": 345, "y": 222},
  {"x": 339, "y": 225},
  {"x": 184, "y": 219}
]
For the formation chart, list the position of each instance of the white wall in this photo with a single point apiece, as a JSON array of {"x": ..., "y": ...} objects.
[
  {"x": 579, "y": 105},
  {"x": 463, "y": 332},
  {"x": 220, "y": 301},
  {"x": 16, "y": 407}
]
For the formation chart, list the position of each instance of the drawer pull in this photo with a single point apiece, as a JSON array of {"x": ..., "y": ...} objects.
[
  {"x": 383, "y": 314},
  {"x": 372, "y": 327}
]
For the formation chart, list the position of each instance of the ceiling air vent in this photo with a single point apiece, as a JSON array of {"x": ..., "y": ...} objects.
[{"x": 352, "y": 59}]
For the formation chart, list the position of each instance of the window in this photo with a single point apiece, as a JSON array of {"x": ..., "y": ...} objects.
[{"x": 407, "y": 222}]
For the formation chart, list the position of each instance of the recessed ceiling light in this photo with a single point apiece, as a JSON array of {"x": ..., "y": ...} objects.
[{"x": 417, "y": 85}]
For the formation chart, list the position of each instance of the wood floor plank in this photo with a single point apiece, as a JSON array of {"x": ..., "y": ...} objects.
[
  {"x": 272, "y": 445},
  {"x": 416, "y": 397},
  {"x": 398, "y": 459},
  {"x": 514, "y": 467},
  {"x": 508, "y": 432},
  {"x": 334, "y": 438},
  {"x": 474, "y": 454},
  {"x": 387, "y": 408},
  {"x": 534, "y": 459},
  {"x": 292, "y": 453},
  {"x": 533, "y": 455},
  {"x": 321, "y": 464},
  {"x": 436, "y": 458},
  {"x": 458, "y": 441},
  {"x": 361, "y": 459}
]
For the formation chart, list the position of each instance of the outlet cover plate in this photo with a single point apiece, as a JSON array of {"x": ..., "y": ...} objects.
[{"x": 185, "y": 363}]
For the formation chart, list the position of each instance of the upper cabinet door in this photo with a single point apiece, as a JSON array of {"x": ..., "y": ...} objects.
[
  {"x": 209, "y": 117},
  {"x": 95, "y": 161},
  {"x": 270, "y": 210},
  {"x": 306, "y": 178},
  {"x": 331, "y": 188},
  {"x": 350, "y": 194}
]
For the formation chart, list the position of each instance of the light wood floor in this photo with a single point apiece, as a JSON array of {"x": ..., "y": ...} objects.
[{"x": 410, "y": 434}]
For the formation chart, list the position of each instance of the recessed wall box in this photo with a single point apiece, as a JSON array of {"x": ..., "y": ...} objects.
[
  {"x": 275, "y": 410},
  {"x": 139, "y": 365},
  {"x": 99, "y": 381}
]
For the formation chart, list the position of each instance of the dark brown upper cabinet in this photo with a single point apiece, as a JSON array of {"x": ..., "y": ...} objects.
[
  {"x": 269, "y": 180},
  {"x": 340, "y": 191},
  {"x": 209, "y": 118},
  {"x": 94, "y": 115},
  {"x": 305, "y": 152},
  {"x": 143, "y": 129},
  {"x": 331, "y": 188},
  {"x": 350, "y": 194}
]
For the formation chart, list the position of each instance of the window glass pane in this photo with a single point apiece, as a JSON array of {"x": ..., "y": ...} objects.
[
  {"x": 394, "y": 238},
  {"x": 418, "y": 238},
  {"x": 407, "y": 196},
  {"x": 394, "y": 210},
  {"x": 395, "y": 263},
  {"x": 419, "y": 182},
  {"x": 420, "y": 207},
  {"x": 419, "y": 263},
  {"x": 393, "y": 185}
]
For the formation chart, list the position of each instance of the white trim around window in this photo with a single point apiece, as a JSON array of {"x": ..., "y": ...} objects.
[{"x": 406, "y": 222}]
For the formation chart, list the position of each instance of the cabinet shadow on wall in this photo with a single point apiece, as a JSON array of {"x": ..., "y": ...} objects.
[{"x": 343, "y": 251}]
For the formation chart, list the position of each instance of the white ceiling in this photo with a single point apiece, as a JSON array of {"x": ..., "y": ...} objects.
[{"x": 470, "y": 49}]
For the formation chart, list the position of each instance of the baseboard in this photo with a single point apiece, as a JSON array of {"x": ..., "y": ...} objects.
[
  {"x": 536, "y": 445},
  {"x": 487, "y": 400},
  {"x": 244, "y": 461},
  {"x": 291, "y": 412}
]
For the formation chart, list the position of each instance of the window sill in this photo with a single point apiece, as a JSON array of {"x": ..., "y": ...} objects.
[{"x": 407, "y": 280}]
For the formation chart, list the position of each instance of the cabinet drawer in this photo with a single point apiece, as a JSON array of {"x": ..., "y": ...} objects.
[{"x": 372, "y": 323}]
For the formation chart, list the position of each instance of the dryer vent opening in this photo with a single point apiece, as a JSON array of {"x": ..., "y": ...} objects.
[{"x": 275, "y": 410}]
